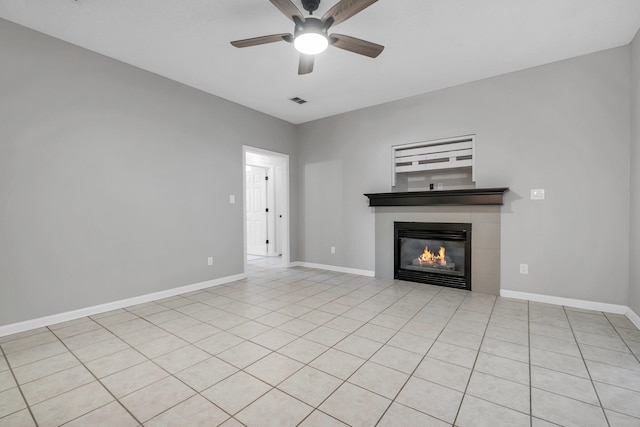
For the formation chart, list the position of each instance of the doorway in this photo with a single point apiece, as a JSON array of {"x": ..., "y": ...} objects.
[
  {"x": 256, "y": 209},
  {"x": 266, "y": 208}
]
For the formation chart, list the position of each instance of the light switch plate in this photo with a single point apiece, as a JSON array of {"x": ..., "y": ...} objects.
[
  {"x": 232, "y": 199},
  {"x": 537, "y": 194}
]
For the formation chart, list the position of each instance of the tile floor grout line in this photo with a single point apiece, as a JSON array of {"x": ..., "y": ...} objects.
[
  {"x": 625, "y": 415},
  {"x": 317, "y": 407},
  {"x": 275, "y": 351},
  {"x": 464, "y": 393},
  {"x": 393, "y": 400},
  {"x": 15, "y": 379},
  {"x": 369, "y": 358},
  {"x": 423, "y": 357},
  {"x": 344, "y": 381},
  {"x": 103, "y": 386},
  {"x": 623, "y": 340},
  {"x": 52, "y": 331},
  {"x": 595, "y": 390},
  {"x": 4, "y": 339},
  {"x": 53, "y": 373},
  {"x": 198, "y": 393},
  {"x": 565, "y": 354},
  {"x": 607, "y": 363},
  {"x": 169, "y": 374},
  {"x": 159, "y": 325},
  {"x": 293, "y": 317},
  {"x": 495, "y": 376},
  {"x": 578, "y": 376}
]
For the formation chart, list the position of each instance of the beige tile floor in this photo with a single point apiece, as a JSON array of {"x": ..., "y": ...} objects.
[{"x": 306, "y": 347}]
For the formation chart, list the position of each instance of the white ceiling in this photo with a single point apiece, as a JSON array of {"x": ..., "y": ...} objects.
[{"x": 429, "y": 44}]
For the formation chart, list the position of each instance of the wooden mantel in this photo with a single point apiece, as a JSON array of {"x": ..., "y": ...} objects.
[{"x": 473, "y": 196}]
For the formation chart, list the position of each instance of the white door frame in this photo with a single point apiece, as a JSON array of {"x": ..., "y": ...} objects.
[{"x": 284, "y": 222}]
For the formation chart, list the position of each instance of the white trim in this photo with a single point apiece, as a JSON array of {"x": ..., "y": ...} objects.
[
  {"x": 286, "y": 243},
  {"x": 577, "y": 303},
  {"x": 587, "y": 305},
  {"x": 367, "y": 273},
  {"x": 635, "y": 319},
  {"x": 96, "y": 309}
]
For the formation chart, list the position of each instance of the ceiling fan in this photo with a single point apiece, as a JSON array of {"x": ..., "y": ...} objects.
[{"x": 310, "y": 35}]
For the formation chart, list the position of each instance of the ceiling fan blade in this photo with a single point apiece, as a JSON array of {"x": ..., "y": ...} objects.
[
  {"x": 355, "y": 45},
  {"x": 306, "y": 64},
  {"x": 345, "y": 9},
  {"x": 262, "y": 40},
  {"x": 287, "y": 8}
]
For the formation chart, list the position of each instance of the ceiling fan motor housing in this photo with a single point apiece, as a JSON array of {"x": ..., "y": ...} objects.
[
  {"x": 310, "y": 5},
  {"x": 310, "y": 25}
]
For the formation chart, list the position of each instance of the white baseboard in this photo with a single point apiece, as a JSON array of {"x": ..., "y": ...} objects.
[
  {"x": 587, "y": 305},
  {"x": 15, "y": 328},
  {"x": 367, "y": 273},
  {"x": 577, "y": 303},
  {"x": 635, "y": 319}
]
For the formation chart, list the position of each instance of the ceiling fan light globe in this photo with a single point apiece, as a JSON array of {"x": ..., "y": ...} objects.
[{"x": 311, "y": 43}]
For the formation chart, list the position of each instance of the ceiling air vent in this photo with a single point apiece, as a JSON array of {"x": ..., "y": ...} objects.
[{"x": 298, "y": 100}]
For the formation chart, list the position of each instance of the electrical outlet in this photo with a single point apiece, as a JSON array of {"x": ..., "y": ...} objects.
[
  {"x": 524, "y": 268},
  {"x": 439, "y": 186},
  {"x": 210, "y": 260},
  {"x": 333, "y": 249}
]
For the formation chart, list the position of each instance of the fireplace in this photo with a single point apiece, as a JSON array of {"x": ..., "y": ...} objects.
[{"x": 436, "y": 253}]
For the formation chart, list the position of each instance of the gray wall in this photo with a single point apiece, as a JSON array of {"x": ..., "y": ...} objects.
[
  {"x": 634, "y": 253},
  {"x": 114, "y": 182},
  {"x": 563, "y": 127}
]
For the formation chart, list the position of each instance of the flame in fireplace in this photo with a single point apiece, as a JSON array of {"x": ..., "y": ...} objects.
[{"x": 430, "y": 258}]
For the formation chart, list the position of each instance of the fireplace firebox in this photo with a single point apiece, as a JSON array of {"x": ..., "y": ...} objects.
[{"x": 435, "y": 253}]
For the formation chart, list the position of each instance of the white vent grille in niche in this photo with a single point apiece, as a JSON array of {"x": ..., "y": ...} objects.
[{"x": 437, "y": 155}]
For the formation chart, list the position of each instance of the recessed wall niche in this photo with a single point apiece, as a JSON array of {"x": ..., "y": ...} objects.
[{"x": 443, "y": 164}]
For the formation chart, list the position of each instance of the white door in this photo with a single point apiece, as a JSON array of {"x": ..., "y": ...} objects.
[{"x": 256, "y": 205}]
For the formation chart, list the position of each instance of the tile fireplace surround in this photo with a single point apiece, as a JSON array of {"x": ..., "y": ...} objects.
[{"x": 485, "y": 238}]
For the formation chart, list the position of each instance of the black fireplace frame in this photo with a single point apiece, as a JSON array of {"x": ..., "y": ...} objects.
[{"x": 453, "y": 231}]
